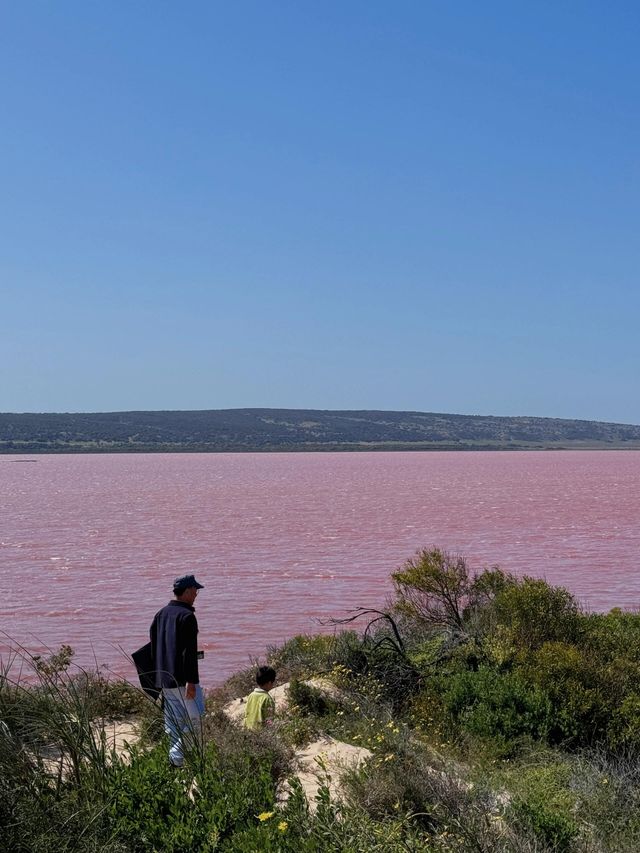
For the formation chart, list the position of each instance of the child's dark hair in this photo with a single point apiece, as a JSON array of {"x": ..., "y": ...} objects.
[{"x": 265, "y": 674}]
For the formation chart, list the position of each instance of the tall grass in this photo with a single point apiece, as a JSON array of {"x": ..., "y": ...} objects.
[{"x": 55, "y": 756}]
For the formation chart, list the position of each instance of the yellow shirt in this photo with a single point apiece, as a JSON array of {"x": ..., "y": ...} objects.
[{"x": 260, "y": 708}]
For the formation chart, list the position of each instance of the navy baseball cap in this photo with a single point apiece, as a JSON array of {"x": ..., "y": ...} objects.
[{"x": 186, "y": 582}]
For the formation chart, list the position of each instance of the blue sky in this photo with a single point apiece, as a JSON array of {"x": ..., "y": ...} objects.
[{"x": 423, "y": 205}]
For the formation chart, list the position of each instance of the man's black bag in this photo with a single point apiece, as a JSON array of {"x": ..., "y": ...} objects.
[{"x": 143, "y": 659}]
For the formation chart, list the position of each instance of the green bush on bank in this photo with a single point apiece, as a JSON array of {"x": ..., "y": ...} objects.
[
  {"x": 500, "y": 705},
  {"x": 518, "y": 656}
]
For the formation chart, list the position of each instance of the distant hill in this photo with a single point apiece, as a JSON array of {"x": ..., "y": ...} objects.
[{"x": 300, "y": 429}]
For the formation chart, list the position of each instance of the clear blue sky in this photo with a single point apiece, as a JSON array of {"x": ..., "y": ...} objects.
[{"x": 396, "y": 205}]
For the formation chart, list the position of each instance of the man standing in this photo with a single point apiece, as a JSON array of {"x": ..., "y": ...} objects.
[{"x": 174, "y": 646}]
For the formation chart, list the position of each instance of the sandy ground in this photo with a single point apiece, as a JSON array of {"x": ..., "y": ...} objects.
[
  {"x": 119, "y": 736},
  {"x": 323, "y": 762}
]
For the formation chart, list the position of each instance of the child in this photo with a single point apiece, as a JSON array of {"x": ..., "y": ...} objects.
[{"x": 260, "y": 706}]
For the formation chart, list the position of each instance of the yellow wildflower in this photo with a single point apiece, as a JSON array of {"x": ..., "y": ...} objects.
[
  {"x": 282, "y": 826},
  {"x": 265, "y": 815}
]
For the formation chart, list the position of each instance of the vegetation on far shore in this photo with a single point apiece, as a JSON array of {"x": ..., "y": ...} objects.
[
  {"x": 235, "y": 430},
  {"x": 500, "y": 717}
]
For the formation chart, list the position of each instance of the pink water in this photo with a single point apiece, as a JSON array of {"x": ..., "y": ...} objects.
[{"x": 89, "y": 545}]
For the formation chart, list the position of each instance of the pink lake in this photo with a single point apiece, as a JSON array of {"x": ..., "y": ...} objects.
[{"x": 89, "y": 544}]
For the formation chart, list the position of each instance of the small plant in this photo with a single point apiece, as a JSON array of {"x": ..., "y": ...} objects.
[
  {"x": 554, "y": 827},
  {"x": 55, "y": 664}
]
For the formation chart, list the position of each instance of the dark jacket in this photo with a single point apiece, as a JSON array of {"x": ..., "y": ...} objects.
[{"x": 174, "y": 645}]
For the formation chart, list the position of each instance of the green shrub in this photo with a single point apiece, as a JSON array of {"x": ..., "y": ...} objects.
[
  {"x": 110, "y": 698},
  {"x": 612, "y": 646},
  {"x": 299, "y": 730},
  {"x": 427, "y": 652},
  {"x": 536, "y": 613},
  {"x": 449, "y": 813},
  {"x": 334, "y": 828},
  {"x": 303, "y": 656},
  {"x": 154, "y": 808},
  {"x": 497, "y": 705},
  {"x": 593, "y": 684},
  {"x": 348, "y": 659},
  {"x": 436, "y": 589},
  {"x": 393, "y": 677},
  {"x": 543, "y": 798},
  {"x": 613, "y": 635},
  {"x": 433, "y": 587},
  {"x": 554, "y": 828},
  {"x": 309, "y": 700},
  {"x": 571, "y": 682}
]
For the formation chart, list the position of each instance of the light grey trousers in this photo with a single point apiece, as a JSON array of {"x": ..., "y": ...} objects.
[{"x": 182, "y": 721}]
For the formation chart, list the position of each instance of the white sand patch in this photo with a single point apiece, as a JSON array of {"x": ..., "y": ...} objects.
[
  {"x": 324, "y": 762},
  {"x": 119, "y": 736}
]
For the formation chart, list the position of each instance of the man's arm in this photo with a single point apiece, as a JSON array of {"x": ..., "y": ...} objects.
[{"x": 191, "y": 656}]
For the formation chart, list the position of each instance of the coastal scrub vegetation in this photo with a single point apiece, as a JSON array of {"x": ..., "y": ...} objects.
[
  {"x": 498, "y": 714},
  {"x": 236, "y": 430}
]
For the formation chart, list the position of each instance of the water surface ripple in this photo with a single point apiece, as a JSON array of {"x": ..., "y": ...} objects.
[{"x": 89, "y": 544}]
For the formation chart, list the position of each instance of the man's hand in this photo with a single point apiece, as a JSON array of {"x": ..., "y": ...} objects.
[{"x": 190, "y": 692}]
